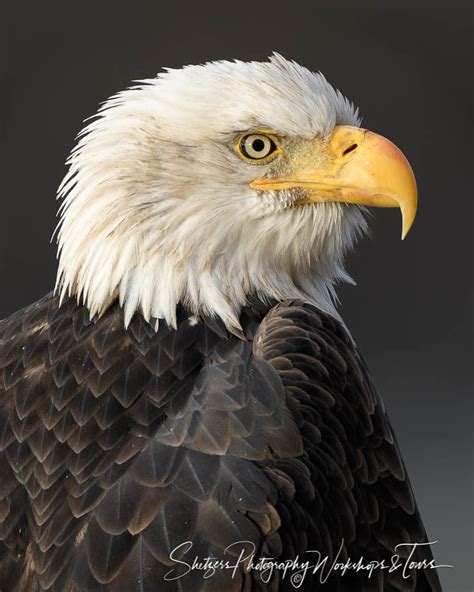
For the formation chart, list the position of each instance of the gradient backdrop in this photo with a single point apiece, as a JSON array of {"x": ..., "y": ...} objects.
[{"x": 408, "y": 66}]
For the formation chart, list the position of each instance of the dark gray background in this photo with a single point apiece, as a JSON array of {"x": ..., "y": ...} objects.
[{"x": 408, "y": 67}]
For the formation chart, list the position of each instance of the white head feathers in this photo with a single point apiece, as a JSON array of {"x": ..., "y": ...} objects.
[{"x": 157, "y": 208}]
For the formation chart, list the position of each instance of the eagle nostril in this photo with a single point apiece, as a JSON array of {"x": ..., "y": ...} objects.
[{"x": 351, "y": 148}]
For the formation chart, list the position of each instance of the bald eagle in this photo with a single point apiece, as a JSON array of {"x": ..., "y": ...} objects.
[{"x": 188, "y": 393}]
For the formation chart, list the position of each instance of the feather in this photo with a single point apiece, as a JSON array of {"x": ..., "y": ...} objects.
[{"x": 113, "y": 460}]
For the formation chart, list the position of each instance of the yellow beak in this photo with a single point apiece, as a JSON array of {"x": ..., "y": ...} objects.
[{"x": 358, "y": 167}]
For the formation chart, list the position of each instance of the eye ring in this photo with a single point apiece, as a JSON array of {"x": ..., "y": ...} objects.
[{"x": 257, "y": 147}]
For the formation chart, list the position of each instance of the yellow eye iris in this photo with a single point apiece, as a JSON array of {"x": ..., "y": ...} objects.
[{"x": 257, "y": 147}]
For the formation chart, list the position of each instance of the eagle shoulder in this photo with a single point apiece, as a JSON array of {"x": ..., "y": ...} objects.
[{"x": 360, "y": 503}]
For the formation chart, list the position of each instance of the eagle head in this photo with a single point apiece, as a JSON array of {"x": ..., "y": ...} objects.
[{"x": 212, "y": 183}]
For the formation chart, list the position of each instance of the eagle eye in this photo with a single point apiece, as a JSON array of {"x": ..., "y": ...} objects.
[{"x": 257, "y": 147}]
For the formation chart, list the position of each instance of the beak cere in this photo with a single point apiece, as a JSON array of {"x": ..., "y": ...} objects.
[{"x": 360, "y": 167}]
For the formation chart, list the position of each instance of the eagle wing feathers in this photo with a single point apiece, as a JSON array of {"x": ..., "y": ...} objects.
[{"x": 120, "y": 447}]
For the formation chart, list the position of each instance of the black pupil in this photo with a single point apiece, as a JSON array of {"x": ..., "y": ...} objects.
[{"x": 258, "y": 145}]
